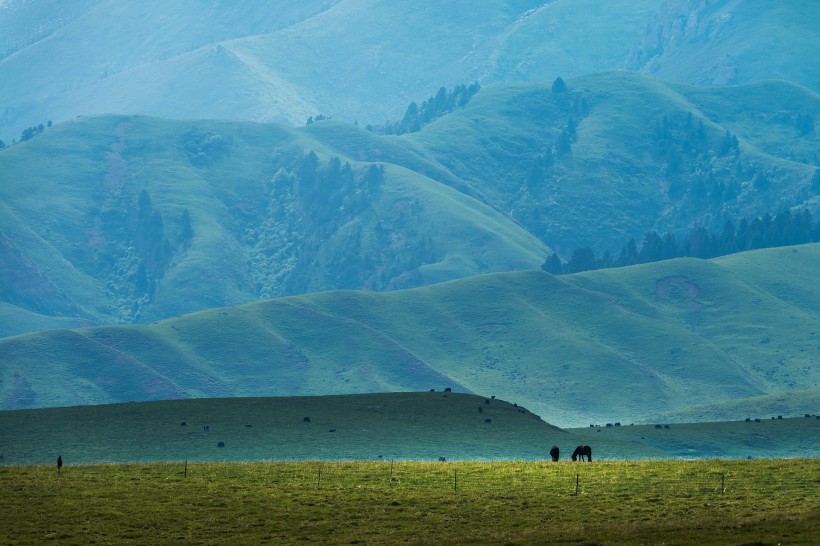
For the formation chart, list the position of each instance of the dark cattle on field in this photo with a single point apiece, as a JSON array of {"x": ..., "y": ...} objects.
[{"x": 555, "y": 453}]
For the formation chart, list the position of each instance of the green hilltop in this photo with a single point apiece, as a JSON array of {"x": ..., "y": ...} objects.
[
  {"x": 610, "y": 345},
  {"x": 143, "y": 218},
  {"x": 383, "y": 427}
]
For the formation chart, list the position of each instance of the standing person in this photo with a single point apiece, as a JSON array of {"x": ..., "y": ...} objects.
[{"x": 59, "y": 463}]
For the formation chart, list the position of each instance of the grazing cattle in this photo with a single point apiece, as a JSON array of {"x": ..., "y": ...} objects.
[
  {"x": 555, "y": 453},
  {"x": 448, "y": 389},
  {"x": 206, "y": 428},
  {"x": 306, "y": 420},
  {"x": 442, "y": 459},
  {"x": 488, "y": 420},
  {"x": 582, "y": 451},
  {"x": 220, "y": 444}
]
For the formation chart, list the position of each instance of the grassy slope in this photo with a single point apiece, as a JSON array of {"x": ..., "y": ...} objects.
[
  {"x": 401, "y": 426},
  {"x": 52, "y": 211},
  {"x": 794, "y": 402},
  {"x": 351, "y": 60},
  {"x": 613, "y": 185},
  {"x": 762, "y": 114},
  {"x": 346, "y": 59},
  {"x": 667, "y": 336},
  {"x": 609, "y": 189},
  {"x": 707, "y": 43},
  {"x": 99, "y": 57}
]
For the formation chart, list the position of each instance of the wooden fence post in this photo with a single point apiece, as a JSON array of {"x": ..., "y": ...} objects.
[
  {"x": 577, "y": 484},
  {"x": 186, "y": 468}
]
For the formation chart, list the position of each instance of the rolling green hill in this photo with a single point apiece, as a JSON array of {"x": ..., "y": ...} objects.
[
  {"x": 602, "y": 346},
  {"x": 793, "y": 402},
  {"x": 376, "y": 427},
  {"x": 617, "y": 151},
  {"x": 142, "y": 218},
  {"x": 402, "y": 426}
]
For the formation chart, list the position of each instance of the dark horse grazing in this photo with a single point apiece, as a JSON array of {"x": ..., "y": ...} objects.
[
  {"x": 582, "y": 451},
  {"x": 555, "y": 453}
]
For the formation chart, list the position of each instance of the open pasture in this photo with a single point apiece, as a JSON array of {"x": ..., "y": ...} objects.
[{"x": 651, "y": 502}]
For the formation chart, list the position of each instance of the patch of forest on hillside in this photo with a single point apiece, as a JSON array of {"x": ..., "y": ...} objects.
[{"x": 767, "y": 231}]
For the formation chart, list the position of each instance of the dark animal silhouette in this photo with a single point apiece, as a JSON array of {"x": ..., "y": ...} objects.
[
  {"x": 59, "y": 463},
  {"x": 555, "y": 453},
  {"x": 582, "y": 451}
]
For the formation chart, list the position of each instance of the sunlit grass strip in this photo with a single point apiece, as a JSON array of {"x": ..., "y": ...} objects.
[{"x": 392, "y": 502}]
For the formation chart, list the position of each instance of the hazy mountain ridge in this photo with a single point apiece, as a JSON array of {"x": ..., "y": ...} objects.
[
  {"x": 708, "y": 43},
  {"x": 364, "y": 61},
  {"x": 124, "y": 218},
  {"x": 550, "y": 343}
]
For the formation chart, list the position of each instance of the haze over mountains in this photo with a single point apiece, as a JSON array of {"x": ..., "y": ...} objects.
[
  {"x": 177, "y": 158},
  {"x": 367, "y": 60}
]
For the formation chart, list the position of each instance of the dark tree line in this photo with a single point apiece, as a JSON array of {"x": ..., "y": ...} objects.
[
  {"x": 28, "y": 133},
  {"x": 416, "y": 117},
  {"x": 785, "y": 228}
]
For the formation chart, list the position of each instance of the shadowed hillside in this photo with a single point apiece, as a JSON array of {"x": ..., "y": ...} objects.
[
  {"x": 402, "y": 426},
  {"x": 142, "y": 219},
  {"x": 618, "y": 344},
  {"x": 377, "y": 427}
]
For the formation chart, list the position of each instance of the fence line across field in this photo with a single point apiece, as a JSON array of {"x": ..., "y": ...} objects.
[{"x": 464, "y": 478}]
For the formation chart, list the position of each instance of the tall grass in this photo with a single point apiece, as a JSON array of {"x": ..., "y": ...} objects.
[{"x": 705, "y": 502}]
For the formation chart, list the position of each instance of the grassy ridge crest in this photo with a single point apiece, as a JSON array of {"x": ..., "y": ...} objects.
[{"x": 609, "y": 345}]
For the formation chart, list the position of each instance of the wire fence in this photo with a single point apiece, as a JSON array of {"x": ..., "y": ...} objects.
[{"x": 681, "y": 480}]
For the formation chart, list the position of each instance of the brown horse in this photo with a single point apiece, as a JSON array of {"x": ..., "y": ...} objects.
[{"x": 582, "y": 451}]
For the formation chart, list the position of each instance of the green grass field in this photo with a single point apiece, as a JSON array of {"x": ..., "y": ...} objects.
[{"x": 703, "y": 502}]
